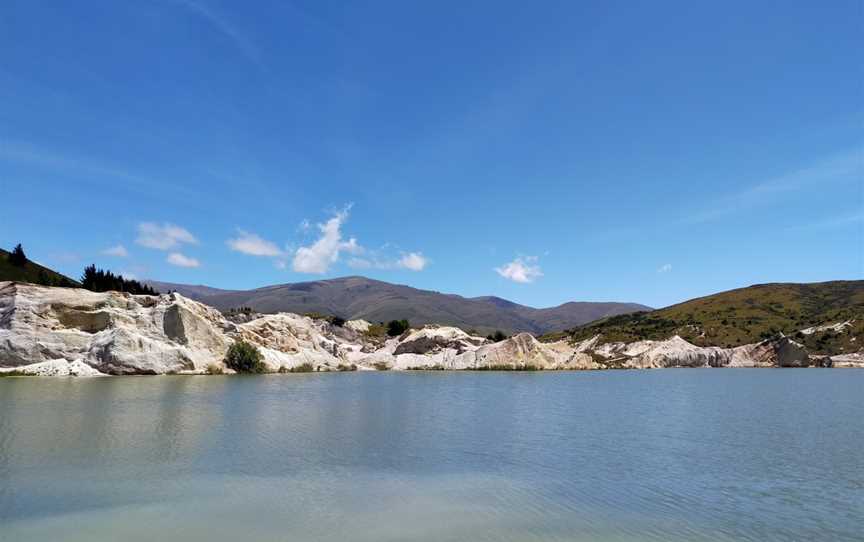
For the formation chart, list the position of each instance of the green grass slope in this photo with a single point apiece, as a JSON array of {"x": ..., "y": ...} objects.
[
  {"x": 748, "y": 315},
  {"x": 31, "y": 272}
]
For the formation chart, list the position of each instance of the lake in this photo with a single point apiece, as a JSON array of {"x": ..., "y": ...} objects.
[{"x": 691, "y": 454}]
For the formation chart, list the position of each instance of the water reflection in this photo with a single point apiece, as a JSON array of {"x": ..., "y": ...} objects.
[{"x": 663, "y": 455}]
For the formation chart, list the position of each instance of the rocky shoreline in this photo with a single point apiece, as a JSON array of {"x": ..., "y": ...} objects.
[{"x": 50, "y": 331}]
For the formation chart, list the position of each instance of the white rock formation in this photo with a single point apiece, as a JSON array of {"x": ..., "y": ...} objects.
[
  {"x": 112, "y": 332},
  {"x": 359, "y": 326},
  {"x": 836, "y": 328},
  {"x": 54, "y": 367},
  {"x": 65, "y": 331},
  {"x": 847, "y": 361}
]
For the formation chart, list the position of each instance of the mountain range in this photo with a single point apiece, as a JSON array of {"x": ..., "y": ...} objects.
[{"x": 378, "y": 301}]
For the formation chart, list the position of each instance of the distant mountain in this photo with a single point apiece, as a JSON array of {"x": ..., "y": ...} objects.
[
  {"x": 32, "y": 272},
  {"x": 827, "y": 317},
  {"x": 373, "y": 300}
]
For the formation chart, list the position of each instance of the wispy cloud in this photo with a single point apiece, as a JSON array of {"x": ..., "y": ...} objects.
[
  {"x": 117, "y": 250},
  {"x": 665, "y": 268},
  {"x": 163, "y": 236},
  {"x": 181, "y": 260},
  {"x": 832, "y": 222},
  {"x": 253, "y": 245},
  {"x": 412, "y": 261},
  {"x": 843, "y": 167},
  {"x": 86, "y": 169},
  {"x": 523, "y": 269},
  {"x": 223, "y": 24}
]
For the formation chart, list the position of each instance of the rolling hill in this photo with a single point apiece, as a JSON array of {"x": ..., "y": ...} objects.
[
  {"x": 32, "y": 272},
  {"x": 373, "y": 300},
  {"x": 827, "y": 317}
]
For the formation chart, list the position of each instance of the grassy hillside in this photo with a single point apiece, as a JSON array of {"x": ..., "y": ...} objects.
[
  {"x": 32, "y": 272},
  {"x": 748, "y": 315}
]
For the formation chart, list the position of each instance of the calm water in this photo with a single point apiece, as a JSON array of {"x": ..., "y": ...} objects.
[{"x": 651, "y": 455}]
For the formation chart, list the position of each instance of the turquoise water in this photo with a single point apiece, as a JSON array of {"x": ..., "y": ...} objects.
[{"x": 623, "y": 455}]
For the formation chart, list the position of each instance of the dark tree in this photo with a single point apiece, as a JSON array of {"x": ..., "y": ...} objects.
[
  {"x": 397, "y": 327},
  {"x": 497, "y": 336},
  {"x": 17, "y": 257},
  {"x": 98, "y": 280}
]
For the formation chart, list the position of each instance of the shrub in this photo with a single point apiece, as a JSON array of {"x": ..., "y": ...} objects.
[
  {"x": 397, "y": 327},
  {"x": 375, "y": 331},
  {"x": 214, "y": 369},
  {"x": 244, "y": 357},
  {"x": 496, "y": 337},
  {"x": 302, "y": 368}
]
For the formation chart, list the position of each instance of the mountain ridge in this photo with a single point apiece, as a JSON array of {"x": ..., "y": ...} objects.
[{"x": 354, "y": 297}]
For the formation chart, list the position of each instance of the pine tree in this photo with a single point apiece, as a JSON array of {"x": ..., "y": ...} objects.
[{"x": 17, "y": 257}]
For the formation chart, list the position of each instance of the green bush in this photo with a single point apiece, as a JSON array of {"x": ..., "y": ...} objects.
[
  {"x": 244, "y": 357},
  {"x": 302, "y": 368},
  {"x": 397, "y": 327},
  {"x": 496, "y": 337}
]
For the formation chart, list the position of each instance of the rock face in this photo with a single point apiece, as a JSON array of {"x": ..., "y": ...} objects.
[
  {"x": 112, "y": 332},
  {"x": 72, "y": 332}
]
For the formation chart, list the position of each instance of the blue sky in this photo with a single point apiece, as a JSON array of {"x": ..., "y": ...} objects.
[{"x": 539, "y": 151}]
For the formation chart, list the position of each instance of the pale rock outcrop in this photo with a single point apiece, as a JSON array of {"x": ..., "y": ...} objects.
[
  {"x": 289, "y": 341},
  {"x": 847, "y": 361},
  {"x": 676, "y": 352},
  {"x": 839, "y": 327},
  {"x": 54, "y": 367},
  {"x": 360, "y": 326},
  {"x": 113, "y": 332},
  {"x": 435, "y": 339}
]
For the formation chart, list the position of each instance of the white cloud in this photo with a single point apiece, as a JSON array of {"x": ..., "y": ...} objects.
[
  {"x": 522, "y": 270},
  {"x": 163, "y": 236},
  {"x": 180, "y": 260},
  {"x": 118, "y": 250},
  {"x": 415, "y": 261},
  {"x": 351, "y": 247},
  {"x": 665, "y": 268},
  {"x": 326, "y": 250},
  {"x": 249, "y": 243},
  {"x": 318, "y": 257}
]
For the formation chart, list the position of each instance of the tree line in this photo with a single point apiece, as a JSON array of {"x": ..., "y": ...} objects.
[
  {"x": 100, "y": 280},
  {"x": 93, "y": 279}
]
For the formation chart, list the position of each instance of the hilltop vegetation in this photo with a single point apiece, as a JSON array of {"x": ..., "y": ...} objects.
[
  {"x": 100, "y": 280},
  {"x": 748, "y": 315},
  {"x": 16, "y": 266}
]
